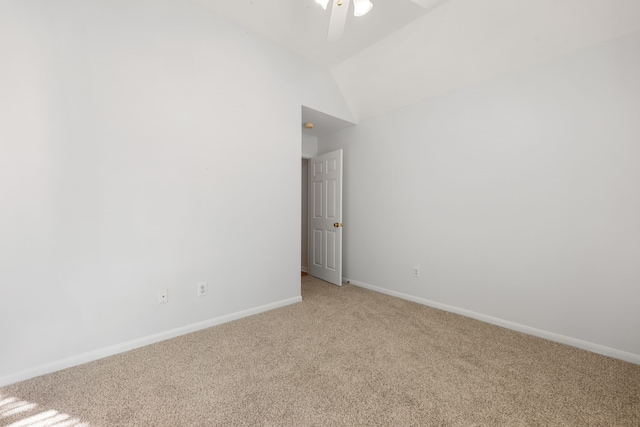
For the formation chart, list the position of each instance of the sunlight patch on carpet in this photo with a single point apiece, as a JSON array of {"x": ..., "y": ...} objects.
[{"x": 21, "y": 413}]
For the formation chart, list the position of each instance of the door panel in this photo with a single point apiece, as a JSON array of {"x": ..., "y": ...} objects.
[
  {"x": 331, "y": 252},
  {"x": 331, "y": 198},
  {"x": 316, "y": 240},
  {"x": 317, "y": 200}
]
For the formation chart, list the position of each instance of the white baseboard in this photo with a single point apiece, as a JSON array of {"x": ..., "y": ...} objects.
[
  {"x": 574, "y": 342},
  {"x": 304, "y": 269},
  {"x": 139, "y": 342}
]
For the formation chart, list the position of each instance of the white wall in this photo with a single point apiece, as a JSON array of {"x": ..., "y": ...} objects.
[
  {"x": 309, "y": 146},
  {"x": 144, "y": 146},
  {"x": 518, "y": 198}
]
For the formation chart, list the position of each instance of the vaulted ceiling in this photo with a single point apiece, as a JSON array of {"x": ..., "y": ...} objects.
[{"x": 401, "y": 53}]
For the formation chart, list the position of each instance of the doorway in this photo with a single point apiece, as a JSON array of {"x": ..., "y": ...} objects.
[
  {"x": 314, "y": 125},
  {"x": 304, "y": 250}
]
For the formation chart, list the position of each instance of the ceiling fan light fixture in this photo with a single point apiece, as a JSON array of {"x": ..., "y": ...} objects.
[
  {"x": 323, "y": 3},
  {"x": 361, "y": 7}
]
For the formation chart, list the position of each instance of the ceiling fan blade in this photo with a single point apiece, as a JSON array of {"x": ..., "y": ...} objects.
[{"x": 339, "y": 12}]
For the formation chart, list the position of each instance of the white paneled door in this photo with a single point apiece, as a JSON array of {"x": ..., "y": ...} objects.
[{"x": 325, "y": 217}]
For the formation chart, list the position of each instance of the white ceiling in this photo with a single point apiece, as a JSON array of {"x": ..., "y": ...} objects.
[
  {"x": 301, "y": 25},
  {"x": 401, "y": 53},
  {"x": 467, "y": 41},
  {"x": 322, "y": 123}
]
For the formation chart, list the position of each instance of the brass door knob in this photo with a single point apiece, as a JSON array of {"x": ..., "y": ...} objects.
[{"x": 337, "y": 224}]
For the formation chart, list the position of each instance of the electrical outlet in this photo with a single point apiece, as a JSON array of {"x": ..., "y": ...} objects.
[
  {"x": 163, "y": 296},
  {"x": 202, "y": 289},
  {"x": 416, "y": 272}
]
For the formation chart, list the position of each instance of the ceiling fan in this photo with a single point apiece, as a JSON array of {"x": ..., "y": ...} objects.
[{"x": 340, "y": 10}]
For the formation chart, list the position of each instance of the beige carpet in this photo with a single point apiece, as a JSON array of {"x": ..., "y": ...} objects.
[{"x": 344, "y": 356}]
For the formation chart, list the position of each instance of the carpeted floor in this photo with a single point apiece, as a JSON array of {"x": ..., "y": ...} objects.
[{"x": 343, "y": 357}]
